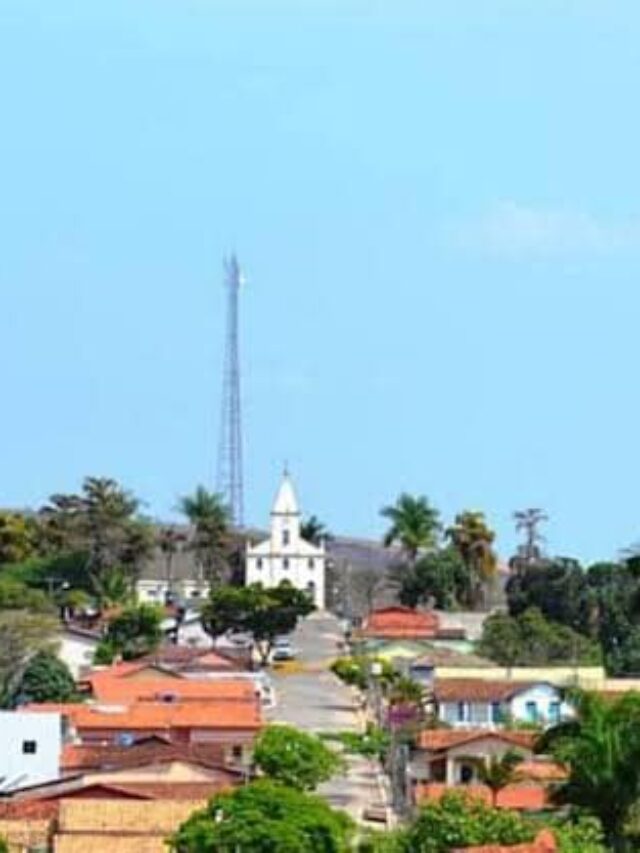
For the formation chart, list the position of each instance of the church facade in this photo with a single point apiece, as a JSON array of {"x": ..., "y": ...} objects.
[{"x": 285, "y": 555}]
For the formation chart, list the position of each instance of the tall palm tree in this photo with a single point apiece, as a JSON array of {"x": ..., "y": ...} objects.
[
  {"x": 169, "y": 542},
  {"x": 528, "y": 521},
  {"x": 497, "y": 772},
  {"x": 313, "y": 530},
  {"x": 415, "y": 525},
  {"x": 210, "y": 519},
  {"x": 473, "y": 539},
  {"x": 600, "y": 746}
]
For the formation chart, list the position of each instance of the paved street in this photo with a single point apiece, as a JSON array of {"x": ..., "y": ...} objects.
[{"x": 315, "y": 700}]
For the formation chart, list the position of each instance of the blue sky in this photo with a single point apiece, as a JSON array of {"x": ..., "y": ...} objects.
[{"x": 437, "y": 209}]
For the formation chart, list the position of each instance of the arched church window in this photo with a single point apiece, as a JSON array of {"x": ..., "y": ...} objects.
[
  {"x": 311, "y": 563},
  {"x": 286, "y": 537},
  {"x": 285, "y": 563},
  {"x": 259, "y": 563}
]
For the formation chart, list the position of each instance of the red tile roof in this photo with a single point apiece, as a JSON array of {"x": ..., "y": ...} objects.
[
  {"x": 478, "y": 689},
  {"x": 106, "y": 688},
  {"x": 76, "y": 757},
  {"x": 235, "y": 714},
  {"x": 400, "y": 623},
  {"x": 435, "y": 740}
]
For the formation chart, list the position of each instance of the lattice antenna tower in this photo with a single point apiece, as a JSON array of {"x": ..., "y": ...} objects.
[{"x": 229, "y": 480}]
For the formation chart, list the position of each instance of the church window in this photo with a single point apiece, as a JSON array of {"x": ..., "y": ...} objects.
[
  {"x": 310, "y": 562},
  {"x": 286, "y": 537},
  {"x": 259, "y": 563},
  {"x": 285, "y": 563}
]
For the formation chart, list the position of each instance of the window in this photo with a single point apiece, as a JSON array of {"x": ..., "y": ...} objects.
[
  {"x": 286, "y": 537},
  {"x": 259, "y": 563},
  {"x": 554, "y": 712},
  {"x": 531, "y": 712},
  {"x": 236, "y": 751},
  {"x": 310, "y": 564},
  {"x": 497, "y": 715},
  {"x": 461, "y": 712},
  {"x": 285, "y": 563},
  {"x": 479, "y": 712},
  {"x": 29, "y": 747},
  {"x": 466, "y": 774}
]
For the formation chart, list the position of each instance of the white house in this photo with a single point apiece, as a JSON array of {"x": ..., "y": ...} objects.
[
  {"x": 285, "y": 555},
  {"x": 464, "y": 702},
  {"x": 30, "y": 746}
]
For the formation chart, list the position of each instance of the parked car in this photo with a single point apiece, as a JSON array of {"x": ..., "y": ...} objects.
[{"x": 283, "y": 650}]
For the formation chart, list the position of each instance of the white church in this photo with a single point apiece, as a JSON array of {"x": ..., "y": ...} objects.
[{"x": 285, "y": 555}]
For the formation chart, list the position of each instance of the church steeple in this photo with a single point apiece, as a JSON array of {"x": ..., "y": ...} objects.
[{"x": 286, "y": 502}]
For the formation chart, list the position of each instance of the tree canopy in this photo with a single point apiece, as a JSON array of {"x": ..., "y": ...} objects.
[
  {"x": 532, "y": 640},
  {"x": 440, "y": 577},
  {"x": 133, "y": 633},
  {"x": 264, "y": 613},
  {"x": 295, "y": 758},
  {"x": 45, "y": 679},
  {"x": 414, "y": 525},
  {"x": 210, "y": 539},
  {"x": 22, "y": 635},
  {"x": 265, "y": 817},
  {"x": 601, "y": 748}
]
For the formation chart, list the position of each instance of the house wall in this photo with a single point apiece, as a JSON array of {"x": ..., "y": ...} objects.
[
  {"x": 18, "y": 732},
  {"x": 76, "y": 651},
  {"x": 589, "y": 677},
  {"x": 544, "y": 696},
  {"x": 25, "y": 834}
]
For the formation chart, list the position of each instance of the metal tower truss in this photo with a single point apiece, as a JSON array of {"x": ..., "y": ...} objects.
[{"x": 229, "y": 480}]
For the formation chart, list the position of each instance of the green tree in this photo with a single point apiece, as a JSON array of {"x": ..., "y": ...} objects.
[
  {"x": 440, "y": 577},
  {"x": 22, "y": 635},
  {"x": 473, "y": 539},
  {"x": 295, "y": 758},
  {"x": 313, "y": 530},
  {"x": 18, "y": 596},
  {"x": 210, "y": 519},
  {"x": 132, "y": 634},
  {"x": 614, "y": 589},
  {"x": 17, "y": 537},
  {"x": 113, "y": 588},
  {"x": 170, "y": 540},
  {"x": 264, "y": 613},
  {"x": 558, "y": 588},
  {"x": 414, "y": 525},
  {"x": 460, "y": 821},
  {"x": 497, "y": 772},
  {"x": 45, "y": 679},
  {"x": 265, "y": 817},
  {"x": 531, "y": 640},
  {"x": 601, "y": 749}
]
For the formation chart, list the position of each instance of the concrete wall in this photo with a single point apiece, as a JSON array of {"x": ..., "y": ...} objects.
[
  {"x": 19, "y": 733},
  {"x": 589, "y": 677}
]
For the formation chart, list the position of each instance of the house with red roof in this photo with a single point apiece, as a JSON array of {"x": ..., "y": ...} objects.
[
  {"x": 448, "y": 758},
  {"x": 465, "y": 702}
]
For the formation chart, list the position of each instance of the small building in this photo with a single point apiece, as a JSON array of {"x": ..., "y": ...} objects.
[
  {"x": 464, "y": 702},
  {"x": 450, "y": 758},
  {"x": 29, "y": 748},
  {"x": 285, "y": 555},
  {"x": 407, "y": 627}
]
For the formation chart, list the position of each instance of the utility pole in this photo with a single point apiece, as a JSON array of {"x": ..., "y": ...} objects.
[
  {"x": 529, "y": 521},
  {"x": 230, "y": 477}
]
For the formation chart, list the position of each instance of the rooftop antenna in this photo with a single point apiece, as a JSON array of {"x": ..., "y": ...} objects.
[{"x": 229, "y": 479}]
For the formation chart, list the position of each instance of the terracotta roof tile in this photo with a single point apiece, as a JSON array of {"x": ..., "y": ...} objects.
[
  {"x": 77, "y": 757},
  {"x": 442, "y": 739},
  {"x": 140, "y": 716},
  {"x": 400, "y": 622},
  {"x": 107, "y": 689},
  {"x": 478, "y": 689}
]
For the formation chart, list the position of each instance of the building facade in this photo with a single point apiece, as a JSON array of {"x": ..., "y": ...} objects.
[
  {"x": 29, "y": 748},
  {"x": 285, "y": 555}
]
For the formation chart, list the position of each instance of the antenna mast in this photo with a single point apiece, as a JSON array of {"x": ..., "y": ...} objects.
[{"x": 229, "y": 480}]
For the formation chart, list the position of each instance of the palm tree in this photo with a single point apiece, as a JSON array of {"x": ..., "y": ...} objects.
[
  {"x": 529, "y": 520},
  {"x": 473, "y": 539},
  {"x": 415, "y": 525},
  {"x": 169, "y": 541},
  {"x": 313, "y": 530},
  {"x": 113, "y": 588},
  {"x": 210, "y": 519},
  {"x": 601, "y": 748},
  {"x": 497, "y": 772},
  {"x": 406, "y": 691}
]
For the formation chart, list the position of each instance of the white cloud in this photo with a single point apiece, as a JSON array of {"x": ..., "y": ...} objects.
[{"x": 511, "y": 228}]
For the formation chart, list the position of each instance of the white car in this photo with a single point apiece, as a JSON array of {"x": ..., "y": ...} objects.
[{"x": 283, "y": 650}]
